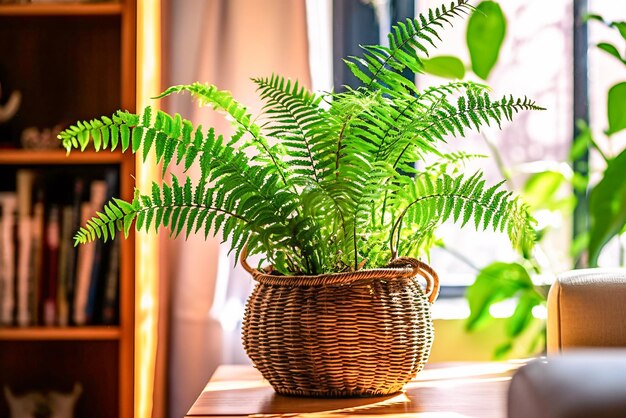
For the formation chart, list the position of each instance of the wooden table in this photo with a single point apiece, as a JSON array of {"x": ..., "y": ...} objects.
[{"x": 452, "y": 390}]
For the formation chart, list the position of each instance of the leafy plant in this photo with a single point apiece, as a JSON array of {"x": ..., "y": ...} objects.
[
  {"x": 607, "y": 198},
  {"x": 485, "y": 33},
  {"x": 501, "y": 281},
  {"x": 321, "y": 184},
  {"x": 486, "y": 29}
]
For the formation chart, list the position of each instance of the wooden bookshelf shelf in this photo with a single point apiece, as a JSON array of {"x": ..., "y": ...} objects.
[
  {"x": 61, "y": 9},
  {"x": 59, "y": 333},
  {"x": 71, "y": 60},
  {"x": 21, "y": 157}
]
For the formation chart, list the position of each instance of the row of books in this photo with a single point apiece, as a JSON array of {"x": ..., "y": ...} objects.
[{"x": 44, "y": 279}]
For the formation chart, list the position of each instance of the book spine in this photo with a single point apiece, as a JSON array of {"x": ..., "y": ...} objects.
[
  {"x": 111, "y": 289},
  {"x": 83, "y": 271},
  {"x": 101, "y": 191},
  {"x": 24, "y": 189},
  {"x": 98, "y": 196},
  {"x": 72, "y": 258},
  {"x": 23, "y": 270},
  {"x": 53, "y": 236},
  {"x": 65, "y": 260},
  {"x": 33, "y": 287},
  {"x": 7, "y": 253}
]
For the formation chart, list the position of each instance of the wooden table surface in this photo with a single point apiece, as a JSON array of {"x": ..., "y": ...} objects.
[{"x": 452, "y": 390}]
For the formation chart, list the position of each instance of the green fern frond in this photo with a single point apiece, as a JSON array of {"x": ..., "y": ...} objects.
[
  {"x": 223, "y": 101},
  {"x": 471, "y": 112},
  {"x": 462, "y": 199},
  {"x": 117, "y": 216},
  {"x": 183, "y": 207},
  {"x": 103, "y": 133},
  {"x": 382, "y": 67},
  {"x": 377, "y": 121},
  {"x": 295, "y": 118}
]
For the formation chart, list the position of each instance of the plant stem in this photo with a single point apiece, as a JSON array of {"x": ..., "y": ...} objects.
[{"x": 597, "y": 147}]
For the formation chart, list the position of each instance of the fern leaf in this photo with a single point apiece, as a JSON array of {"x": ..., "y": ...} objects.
[
  {"x": 448, "y": 120},
  {"x": 381, "y": 67},
  {"x": 295, "y": 116},
  {"x": 464, "y": 197}
]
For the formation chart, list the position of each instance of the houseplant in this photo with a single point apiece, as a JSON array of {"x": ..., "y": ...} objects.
[
  {"x": 326, "y": 200},
  {"x": 552, "y": 190}
]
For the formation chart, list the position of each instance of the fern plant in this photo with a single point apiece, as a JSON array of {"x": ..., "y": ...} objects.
[{"x": 325, "y": 182}]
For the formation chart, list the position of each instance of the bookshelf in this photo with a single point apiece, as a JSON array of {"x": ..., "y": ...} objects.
[
  {"x": 61, "y": 9},
  {"x": 57, "y": 157},
  {"x": 60, "y": 333},
  {"x": 71, "y": 61}
]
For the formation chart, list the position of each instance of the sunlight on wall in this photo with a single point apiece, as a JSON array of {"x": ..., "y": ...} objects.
[{"x": 146, "y": 281}]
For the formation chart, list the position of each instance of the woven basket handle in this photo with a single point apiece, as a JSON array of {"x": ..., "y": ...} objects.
[
  {"x": 422, "y": 269},
  {"x": 418, "y": 267},
  {"x": 243, "y": 260}
]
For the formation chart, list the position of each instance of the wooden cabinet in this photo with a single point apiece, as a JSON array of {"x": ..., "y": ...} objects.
[{"x": 70, "y": 61}]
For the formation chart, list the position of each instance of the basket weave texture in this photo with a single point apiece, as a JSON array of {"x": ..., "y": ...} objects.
[{"x": 363, "y": 333}]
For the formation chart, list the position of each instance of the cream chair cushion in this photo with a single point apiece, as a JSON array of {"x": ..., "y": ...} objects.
[{"x": 587, "y": 308}]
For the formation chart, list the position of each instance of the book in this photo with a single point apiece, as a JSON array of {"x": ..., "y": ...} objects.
[
  {"x": 8, "y": 203},
  {"x": 51, "y": 267},
  {"x": 33, "y": 288},
  {"x": 24, "y": 189},
  {"x": 72, "y": 256},
  {"x": 84, "y": 265},
  {"x": 66, "y": 261},
  {"x": 101, "y": 257},
  {"x": 110, "y": 308},
  {"x": 87, "y": 255}
]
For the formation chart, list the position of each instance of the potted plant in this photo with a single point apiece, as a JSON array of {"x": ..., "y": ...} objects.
[{"x": 327, "y": 191}]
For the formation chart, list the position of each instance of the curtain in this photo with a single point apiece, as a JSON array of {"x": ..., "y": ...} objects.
[{"x": 222, "y": 42}]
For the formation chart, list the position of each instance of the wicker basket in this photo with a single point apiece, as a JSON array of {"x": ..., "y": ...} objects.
[{"x": 365, "y": 333}]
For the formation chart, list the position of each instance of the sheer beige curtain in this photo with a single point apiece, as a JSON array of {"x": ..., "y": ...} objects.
[{"x": 223, "y": 42}]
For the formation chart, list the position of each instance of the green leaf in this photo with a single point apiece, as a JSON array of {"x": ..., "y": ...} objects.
[
  {"x": 137, "y": 136},
  {"x": 616, "y": 108},
  {"x": 125, "y": 133},
  {"x": 580, "y": 182},
  {"x": 128, "y": 221},
  {"x": 612, "y": 50},
  {"x": 125, "y": 206},
  {"x": 607, "y": 207},
  {"x": 523, "y": 314},
  {"x": 621, "y": 27},
  {"x": 444, "y": 66},
  {"x": 591, "y": 16},
  {"x": 582, "y": 142},
  {"x": 579, "y": 244},
  {"x": 540, "y": 189},
  {"x": 486, "y": 29},
  {"x": 502, "y": 350},
  {"x": 496, "y": 282}
]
